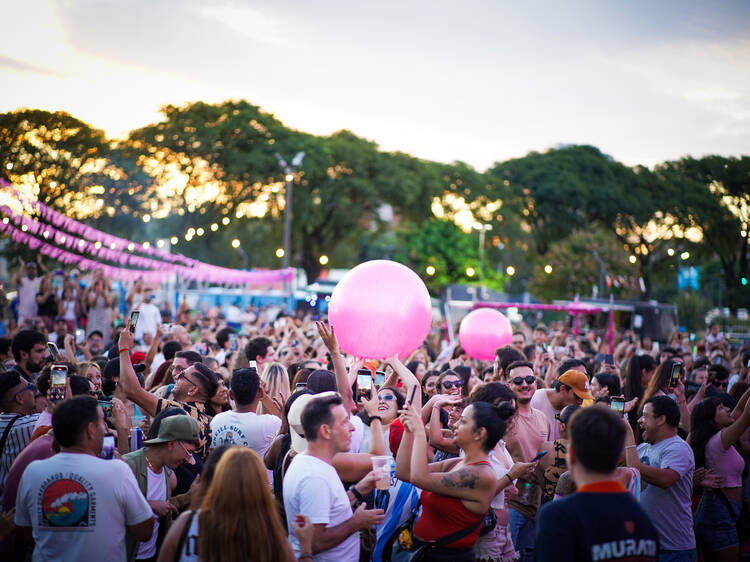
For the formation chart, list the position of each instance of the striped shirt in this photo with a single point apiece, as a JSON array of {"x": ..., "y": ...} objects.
[{"x": 18, "y": 438}]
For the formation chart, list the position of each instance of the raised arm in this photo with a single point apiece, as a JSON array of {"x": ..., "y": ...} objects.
[
  {"x": 730, "y": 435},
  {"x": 408, "y": 379},
  {"x": 471, "y": 483},
  {"x": 128, "y": 380},
  {"x": 328, "y": 336}
]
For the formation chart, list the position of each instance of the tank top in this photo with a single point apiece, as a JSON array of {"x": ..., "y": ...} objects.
[
  {"x": 189, "y": 552},
  {"x": 443, "y": 515}
]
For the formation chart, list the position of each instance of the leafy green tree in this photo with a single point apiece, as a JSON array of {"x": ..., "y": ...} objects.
[{"x": 581, "y": 262}]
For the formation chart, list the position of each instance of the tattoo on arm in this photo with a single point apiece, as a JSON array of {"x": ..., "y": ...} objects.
[{"x": 463, "y": 478}]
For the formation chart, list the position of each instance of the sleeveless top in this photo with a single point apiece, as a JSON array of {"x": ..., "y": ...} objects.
[
  {"x": 189, "y": 552},
  {"x": 443, "y": 515}
]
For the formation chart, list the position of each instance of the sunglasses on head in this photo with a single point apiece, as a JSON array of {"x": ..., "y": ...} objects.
[
  {"x": 452, "y": 384},
  {"x": 519, "y": 380}
]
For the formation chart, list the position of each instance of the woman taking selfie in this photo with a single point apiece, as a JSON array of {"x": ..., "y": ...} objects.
[{"x": 456, "y": 493}]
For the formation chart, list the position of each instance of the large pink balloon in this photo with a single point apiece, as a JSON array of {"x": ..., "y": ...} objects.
[
  {"x": 482, "y": 331},
  {"x": 380, "y": 309}
]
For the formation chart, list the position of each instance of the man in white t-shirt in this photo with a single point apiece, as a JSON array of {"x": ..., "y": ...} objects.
[
  {"x": 74, "y": 504},
  {"x": 148, "y": 320},
  {"x": 28, "y": 287},
  {"x": 572, "y": 387},
  {"x": 313, "y": 488},
  {"x": 242, "y": 426}
]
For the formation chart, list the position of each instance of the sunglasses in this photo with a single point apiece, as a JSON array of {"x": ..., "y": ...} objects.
[
  {"x": 29, "y": 386},
  {"x": 519, "y": 380},
  {"x": 452, "y": 384},
  {"x": 386, "y": 397}
]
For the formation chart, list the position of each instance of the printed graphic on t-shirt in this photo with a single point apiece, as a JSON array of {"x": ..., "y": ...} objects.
[
  {"x": 230, "y": 434},
  {"x": 67, "y": 501}
]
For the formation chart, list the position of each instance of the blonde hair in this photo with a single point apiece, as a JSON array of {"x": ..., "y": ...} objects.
[
  {"x": 276, "y": 378},
  {"x": 238, "y": 514}
]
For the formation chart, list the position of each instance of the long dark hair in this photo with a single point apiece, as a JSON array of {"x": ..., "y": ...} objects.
[
  {"x": 702, "y": 428},
  {"x": 494, "y": 419},
  {"x": 636, "y": 365},
  {"x": 659, "y": 380}
]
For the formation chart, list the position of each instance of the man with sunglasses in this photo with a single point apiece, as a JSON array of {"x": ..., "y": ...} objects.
[
  {"x": 528, "y": 430},
  {"x": 17, "y": 419},
  {"x": 174, "y": 445},
  {"x": 194, "y": 386}
]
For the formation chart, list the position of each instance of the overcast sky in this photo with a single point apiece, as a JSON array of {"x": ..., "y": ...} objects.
[{"x": 478, "y": 81}]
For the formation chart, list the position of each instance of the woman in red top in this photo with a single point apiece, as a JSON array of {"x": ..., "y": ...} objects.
[{"x": 456, "y": 495}]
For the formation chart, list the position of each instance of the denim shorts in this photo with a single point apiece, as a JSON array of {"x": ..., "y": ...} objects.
[{"x": 715, "y": 526}]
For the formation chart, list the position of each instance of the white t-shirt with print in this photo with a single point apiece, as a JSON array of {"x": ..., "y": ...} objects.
[
  {"x": 78, "y": 507},
  {"x": 313, "y": 488}
]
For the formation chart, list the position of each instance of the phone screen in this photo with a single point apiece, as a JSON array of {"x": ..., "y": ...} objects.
[
  {"x": 106, "y": 407},
  {"x": 379, "y": 378},
  {"x": 53, "y": 350},
  {"x": 608, "y": 359},
  {"x": 300, "y": 386},
  {"x": 618, "y": 405},
  {"x": 234, "y": 342},
  {"x": 674, "y": 376},
  {"x": 133, "y": 321},
  {"x": 108, "y": 448},
  {"x": 79, "y": 335},
  {"x": 57, "y": 382},
  {"x": 364, "y": 379}
]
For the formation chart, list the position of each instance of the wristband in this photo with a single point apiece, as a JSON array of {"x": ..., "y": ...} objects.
[
  {"x": 359, "y": 497},
  {"x": 630, "y": 447},
  {"x": 305, "y": 555},
  {"x": 123, "y": 349},
  {"x": 509, "y": 478},
  {"x": 376, "y": 418}
]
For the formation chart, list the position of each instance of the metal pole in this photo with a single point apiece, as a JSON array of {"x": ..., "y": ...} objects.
[
  {"x": 481, "y": 252},
  {"x": 287, "y": 222}
]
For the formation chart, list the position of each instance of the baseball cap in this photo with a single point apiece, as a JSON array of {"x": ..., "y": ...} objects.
[
  {"x": 321, "y": 380},
  {"x": 578, "y": 381},
  {"x": 299, "y": 443},
  {"x": 176, "y": 428}
]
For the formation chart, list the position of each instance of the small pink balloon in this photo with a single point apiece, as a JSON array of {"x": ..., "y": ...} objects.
[
  {"x": 380, "y": 309},
  {"x": 482, "y": 331}
]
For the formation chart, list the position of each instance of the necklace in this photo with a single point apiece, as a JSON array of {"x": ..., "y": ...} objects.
[{"x": 151, "y": 466}]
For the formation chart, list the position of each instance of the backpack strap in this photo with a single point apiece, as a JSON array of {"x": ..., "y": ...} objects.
[{"x": 183, "y": 537}]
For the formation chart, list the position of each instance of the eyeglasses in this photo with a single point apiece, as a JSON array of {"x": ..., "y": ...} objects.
[
  {"x": 187, "y": 453},
  {"x": 519, "y": 380},
  {"x": 29, "y": 386},
  {"x": 452, "y": 384},
  {"x": 177, "y": 369},
  {"x": 720, "y": 383},
  {"x": 386, "y": 397}
]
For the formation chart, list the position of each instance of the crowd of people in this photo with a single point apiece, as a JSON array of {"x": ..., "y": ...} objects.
[{"x": 198, "y": 439}]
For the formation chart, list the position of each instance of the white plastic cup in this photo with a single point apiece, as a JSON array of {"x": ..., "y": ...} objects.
[{"x": 382, "y": 465}]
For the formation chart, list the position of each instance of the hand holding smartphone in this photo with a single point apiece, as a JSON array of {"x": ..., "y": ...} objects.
[
  {"x": 58, "y": 382},
  {"x": 617, "y": 403}
]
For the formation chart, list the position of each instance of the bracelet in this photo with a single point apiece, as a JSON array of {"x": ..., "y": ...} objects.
[
  {"x": 509, "y": 478},
  {"x": 123, "y": 349},
  {"x": 376, "y": 418},
  {"x": 305, "y": 555},
  {"x": 630, "y": 447},
  {"x": 359, "y": 497}
]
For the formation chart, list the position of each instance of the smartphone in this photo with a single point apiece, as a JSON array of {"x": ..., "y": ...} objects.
[
  {"x": 57, "y": 382},
  {"x": 300, "y": 386},
  {"x": 674, "y": 376},
  {"x": 53, "y": 351},
  {"x": 617, "y": 403},
  {"x": 133, "y": 321},
  {"x": 106, "y": 407},
  {"x": 80, "y": 334},
  {"x": 379, "y": 378},
  {"x": 717, "y": 361},
  {"x": 108, "y": 448},
  {"x": 413, "y": 392},
  {"x": 234, "y": 343},
  {"x": 609, "y": 359},
  {"x": 691, "y": 386},
  {"x": 364, "y": 379},
  {"x": 539, "y": 456}
]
